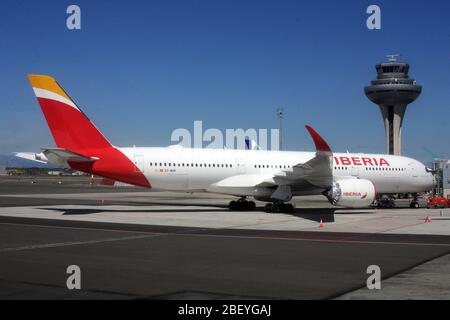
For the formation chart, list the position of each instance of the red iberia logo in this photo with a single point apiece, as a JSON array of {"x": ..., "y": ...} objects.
[
  {"x": 356, "y": 194},
  {"x": 361, "y": 161}
]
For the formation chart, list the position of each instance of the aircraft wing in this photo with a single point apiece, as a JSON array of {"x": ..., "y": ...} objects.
[
  {"x": 313, "y": 176},
  {"x": 317, "y": 171}
]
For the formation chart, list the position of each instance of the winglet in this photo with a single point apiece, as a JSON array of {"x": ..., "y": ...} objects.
[{"x": 320, "y": 143}]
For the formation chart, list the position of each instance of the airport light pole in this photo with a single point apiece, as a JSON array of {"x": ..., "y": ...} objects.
[{"x": 280, "y": 116}]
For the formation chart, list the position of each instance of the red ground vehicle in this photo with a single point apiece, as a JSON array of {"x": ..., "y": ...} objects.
[{"x": 438, "y": 202}]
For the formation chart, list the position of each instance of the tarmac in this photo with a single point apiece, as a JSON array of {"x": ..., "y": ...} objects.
[{"x": 134, "y": 244}]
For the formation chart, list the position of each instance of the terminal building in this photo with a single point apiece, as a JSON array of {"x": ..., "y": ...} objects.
[
  {"x": 446, "y": 180},
  {"x": 441, "y": 168}
]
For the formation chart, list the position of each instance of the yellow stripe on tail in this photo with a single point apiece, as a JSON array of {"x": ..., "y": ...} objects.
[{"x": 47, "y": 83}]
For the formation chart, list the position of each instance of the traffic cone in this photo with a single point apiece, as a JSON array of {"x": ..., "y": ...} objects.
[
  {"x": 321, "y": 225},
  {"x": 428, "y": 219}
]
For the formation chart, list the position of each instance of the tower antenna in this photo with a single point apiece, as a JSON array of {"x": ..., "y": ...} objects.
[{"x": 392, "y": 57}]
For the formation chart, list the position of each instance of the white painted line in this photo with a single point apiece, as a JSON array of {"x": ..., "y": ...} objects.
[
  {"x": 78, "y": 228},
  {"x": 317, "y": 240},
  {"x": 76, "y": 243}
]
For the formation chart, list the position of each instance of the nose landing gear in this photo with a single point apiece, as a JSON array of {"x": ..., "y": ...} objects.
[
  {"x": 415, "y": 203},
  {"x": 279, "y": 207}
]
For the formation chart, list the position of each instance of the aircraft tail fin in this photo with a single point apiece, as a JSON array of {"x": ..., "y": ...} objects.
[{"x": 70, "y": 127}]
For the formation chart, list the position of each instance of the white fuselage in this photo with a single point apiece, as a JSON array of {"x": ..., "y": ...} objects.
[{"x": 183, "y": 169}]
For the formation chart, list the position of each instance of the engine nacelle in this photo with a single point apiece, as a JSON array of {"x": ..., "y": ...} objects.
[{"x": 352, "y": 193}]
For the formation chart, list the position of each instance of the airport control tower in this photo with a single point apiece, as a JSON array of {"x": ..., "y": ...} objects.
[{"x": 392, "y": 91}]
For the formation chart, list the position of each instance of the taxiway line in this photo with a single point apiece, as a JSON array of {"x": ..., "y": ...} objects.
[
  {"x": 74, "y": 243},
  {"x": 344, "y": 238}
]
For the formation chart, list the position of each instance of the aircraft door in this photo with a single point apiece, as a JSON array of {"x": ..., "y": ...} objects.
[
  {"x": 355, "y": 170},
  {"x": 139, "y": 163},
  {"x": 240, "y": 166},
  {"x": 413, "y": 170}
]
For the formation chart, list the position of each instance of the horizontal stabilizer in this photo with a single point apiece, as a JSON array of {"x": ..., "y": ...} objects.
[
  {"x": 29, "y": 156},
  {"x": 55, "y": 155}
]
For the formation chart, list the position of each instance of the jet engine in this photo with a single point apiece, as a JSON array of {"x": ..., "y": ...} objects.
[{"x": 352, "y": 193}]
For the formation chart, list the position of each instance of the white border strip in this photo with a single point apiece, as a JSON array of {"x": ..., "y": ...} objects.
[{"x": 42, "y": 93}]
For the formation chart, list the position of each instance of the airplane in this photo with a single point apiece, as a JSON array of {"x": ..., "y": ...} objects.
[{"x": 351, "y": 180}]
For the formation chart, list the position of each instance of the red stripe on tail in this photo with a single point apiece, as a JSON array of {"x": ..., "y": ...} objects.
[{"x": 70, "y": 128}]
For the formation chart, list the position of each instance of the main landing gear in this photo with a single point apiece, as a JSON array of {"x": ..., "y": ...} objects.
[
  {"x": 245, "y": 205},
  {"x": 242, "y": 205},
  {"x": 279, "y": 207}
]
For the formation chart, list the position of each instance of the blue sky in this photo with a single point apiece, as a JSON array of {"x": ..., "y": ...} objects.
[{"x": 141, "y": 69}]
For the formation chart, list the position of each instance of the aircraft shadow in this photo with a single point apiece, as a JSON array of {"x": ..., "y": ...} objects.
[
  {"x": 74, "y": 212},
  {"x": 314, "y": 214},
  {"x": 324, "y": 214}
]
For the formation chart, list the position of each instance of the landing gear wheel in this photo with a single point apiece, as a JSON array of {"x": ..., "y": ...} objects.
[
  {"x": 276, "y": 208},
  {"x": 414, "y": 205},
  {"x": 242, "y": 205},
  {"x": 268, "y": 208},
  {"x": 289, "y": 208},
  {"x": 279, "y": 208}
]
